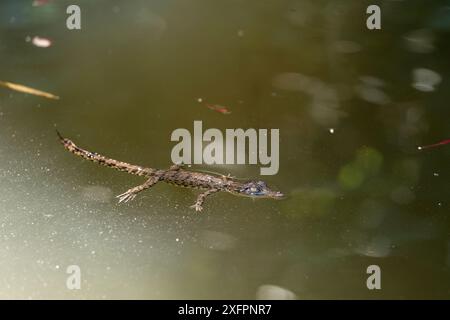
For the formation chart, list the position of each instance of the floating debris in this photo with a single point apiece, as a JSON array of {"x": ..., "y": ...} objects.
[
  {"x": 41, "y": 42},
  {"x": 218, "y": 108},
  {"x": 441, "y": 143},
  {"x": 25, "y": 89},
  {"x": 215, "y": 107}
]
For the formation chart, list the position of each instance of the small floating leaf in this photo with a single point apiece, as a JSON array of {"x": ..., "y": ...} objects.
[
  {"x": 218, "y": 108},
  {"x": 25, "y": 89}
]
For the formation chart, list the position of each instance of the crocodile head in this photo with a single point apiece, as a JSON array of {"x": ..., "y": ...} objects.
[{"x": 257, "y": 189}]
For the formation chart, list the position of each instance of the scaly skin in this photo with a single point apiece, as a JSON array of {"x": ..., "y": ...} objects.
[{"x": 178, "y": 176}]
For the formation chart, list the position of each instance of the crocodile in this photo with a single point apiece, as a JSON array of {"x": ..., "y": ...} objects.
[{"x": 177, "y": 175}]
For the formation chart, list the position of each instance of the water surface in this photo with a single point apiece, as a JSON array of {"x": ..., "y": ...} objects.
[{"x": 352, "y": 107}]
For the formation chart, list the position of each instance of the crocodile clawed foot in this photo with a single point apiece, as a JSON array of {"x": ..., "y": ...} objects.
[
  {"x": 197, "y": 207},
  {"x": 227, "y": 177},
  {"x": 127, "y": 196}
]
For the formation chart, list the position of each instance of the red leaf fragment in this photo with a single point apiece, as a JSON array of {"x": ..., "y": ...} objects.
[
  {"x": 218, "y": 108},
  {"x": 441, "y": 143}
]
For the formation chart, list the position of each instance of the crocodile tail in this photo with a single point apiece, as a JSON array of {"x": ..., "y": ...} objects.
[{"x": 108, "y": 162}]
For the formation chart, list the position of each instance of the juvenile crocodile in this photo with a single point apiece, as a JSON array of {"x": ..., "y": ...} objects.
[{"x": 178, "y": 176}]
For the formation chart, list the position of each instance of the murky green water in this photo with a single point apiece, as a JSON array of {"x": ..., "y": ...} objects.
[{"x": 352, "y": 106}]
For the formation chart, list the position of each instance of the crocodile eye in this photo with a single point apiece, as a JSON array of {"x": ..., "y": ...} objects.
[{"x": 253, "y": 189}]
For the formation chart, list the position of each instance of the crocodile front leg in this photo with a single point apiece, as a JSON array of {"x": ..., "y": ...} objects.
[
  {"x": 131, "y": 193},
  {"x": 201, "y": 198}
]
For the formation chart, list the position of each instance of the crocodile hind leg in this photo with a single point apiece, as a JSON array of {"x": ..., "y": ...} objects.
[
  {"x": 131, "y": 193},
  {"x": 201, "y": 198}
]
